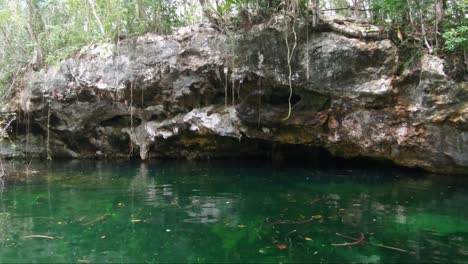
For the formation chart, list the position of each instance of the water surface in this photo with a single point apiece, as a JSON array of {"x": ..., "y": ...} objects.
[{"x": 232, "y": 211}]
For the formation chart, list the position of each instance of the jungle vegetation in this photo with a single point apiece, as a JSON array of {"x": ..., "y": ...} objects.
[{"x": 35, "y": 34}]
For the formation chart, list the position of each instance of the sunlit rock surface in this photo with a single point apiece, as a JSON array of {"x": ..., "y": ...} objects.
[{"x": 201, "y": 94}]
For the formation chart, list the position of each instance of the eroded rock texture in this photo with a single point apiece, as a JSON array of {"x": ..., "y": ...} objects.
[{"x": 165, "y": 96}]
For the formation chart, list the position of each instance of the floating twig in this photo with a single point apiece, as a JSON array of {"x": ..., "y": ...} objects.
[
  {"x": 100, "y": 218},
  {"x": 175, "y": 203},
  {"x": 352, "y": 243},
  {"x": 259, "y": 228},
  {"x": 286, "y": 237},
  {"x": 379, "y": 245},
  {"x": 316, "y": 200},
  {"x": 39, "y": 236},
  {"x": 27, "y": 171},
  {"x": 258, "y": 236},
  {"x": 296, "y": 222},
  {"x": 81, "y": 218}
]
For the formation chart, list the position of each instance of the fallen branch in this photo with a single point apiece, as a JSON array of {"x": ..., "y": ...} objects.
[
  {"x": 39, "y": 236},
  {"x": 352, "y": 243},
  {"x": 379, "y": 245}
]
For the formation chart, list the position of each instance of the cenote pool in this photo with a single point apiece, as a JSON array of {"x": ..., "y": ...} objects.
[{"x": 232, "y": 211}]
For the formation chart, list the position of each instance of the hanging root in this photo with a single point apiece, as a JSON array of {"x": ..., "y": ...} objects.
[
  {"x": 290, "y": 56},
  {"x": 226, "y": 71},
  {"x": 233, "y": 80},
  {"x": 132, "y": 86},
  {"x": 48, "y": 132},
  {"x": 2, "y": 169}
]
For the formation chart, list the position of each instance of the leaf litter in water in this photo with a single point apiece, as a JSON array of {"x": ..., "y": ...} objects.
[{"x": 282, "y": 246}]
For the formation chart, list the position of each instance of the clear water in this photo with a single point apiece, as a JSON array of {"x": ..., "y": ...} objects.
[{"x": 232, "y": 212}]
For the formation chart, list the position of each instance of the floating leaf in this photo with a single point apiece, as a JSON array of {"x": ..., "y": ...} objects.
[{"x": 282, "y": 246}]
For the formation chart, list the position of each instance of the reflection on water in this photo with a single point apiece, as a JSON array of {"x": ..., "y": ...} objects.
[{"x": 231, "y": 212}]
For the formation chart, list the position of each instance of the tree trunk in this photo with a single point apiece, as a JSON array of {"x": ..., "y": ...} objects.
[
  {"x": 410, "y": 13},
  {"x": 423, "y": 31},
  {"x": 38, "y": 58},
  {"x": 439, "y": 17},
  {"x": 357, "y": 8},
  {"x": 138, "y": 10},
  {"x": 439, "y": 10},
  {"x": 98, "y": 20},
  {"x": 207, "y": 12},
  {"x": 369, "y": 12},
  {"x": 315, "y": 12}
]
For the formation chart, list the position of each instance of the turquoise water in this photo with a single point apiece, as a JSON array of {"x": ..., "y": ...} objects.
[{"x": 232, "y": 211}]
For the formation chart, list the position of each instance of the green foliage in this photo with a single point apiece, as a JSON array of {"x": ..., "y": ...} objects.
[
  {"x": 409, "y": 61},
  {"x": 456, "y": 38},
  {"x": 64, "y": 26},
  {"x": 390, "y": 11}
]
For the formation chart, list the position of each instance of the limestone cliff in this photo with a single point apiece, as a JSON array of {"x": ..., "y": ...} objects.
[{"x": 165, "y": 96}]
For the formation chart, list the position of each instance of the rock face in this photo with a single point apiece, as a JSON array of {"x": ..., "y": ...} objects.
[{"x": 200, "y": 94}]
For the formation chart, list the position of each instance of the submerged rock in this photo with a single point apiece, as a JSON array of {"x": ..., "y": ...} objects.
[{"x": 199, "y": 93}]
